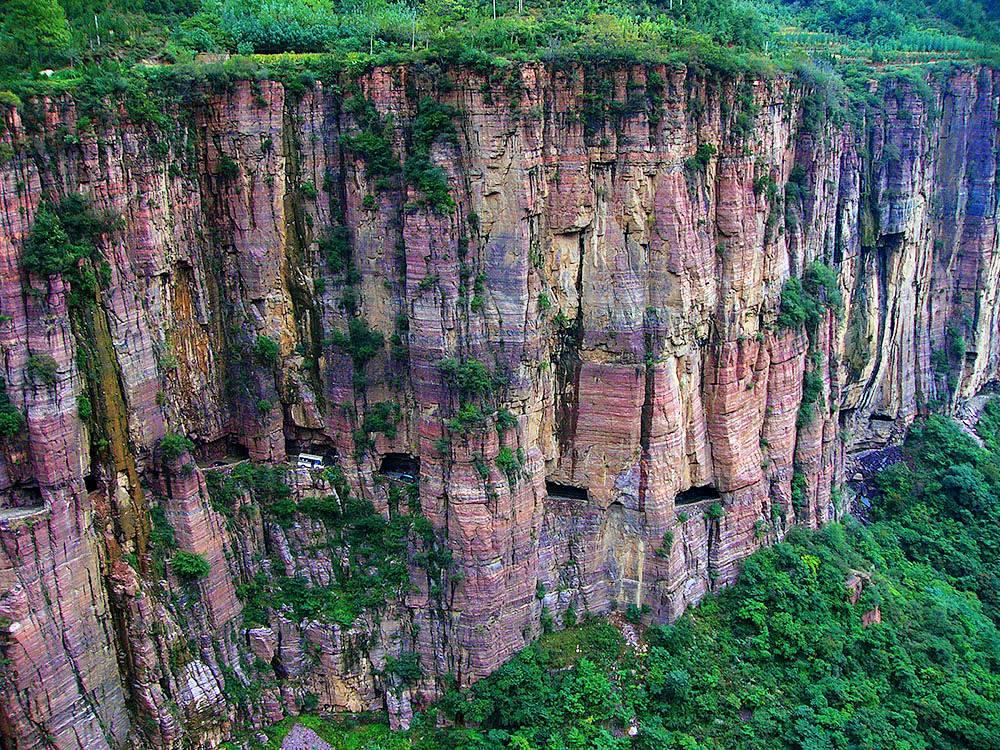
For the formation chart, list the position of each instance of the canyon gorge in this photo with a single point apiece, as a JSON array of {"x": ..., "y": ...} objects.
[{"x": 564, "y": 339}]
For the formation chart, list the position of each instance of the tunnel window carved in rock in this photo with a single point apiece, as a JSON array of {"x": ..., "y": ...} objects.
[
  {"x": 222, "y": 452},
  {"x": 697, "y": 495},
  {"x": 400, "y": 466},
  {"x": 565, "y": 491},
  {"x": 21, "y": 499}
]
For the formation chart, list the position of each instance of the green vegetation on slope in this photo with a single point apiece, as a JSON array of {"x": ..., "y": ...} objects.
[
  {"x": 371, "y": 552},
  {"x": 783, "y": 659}
]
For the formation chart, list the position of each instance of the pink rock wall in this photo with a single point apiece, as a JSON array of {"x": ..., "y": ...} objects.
[{"x": 628, "y": 300}]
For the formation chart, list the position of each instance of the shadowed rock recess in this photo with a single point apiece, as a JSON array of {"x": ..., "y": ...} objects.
[{"x": 534, "y": 319}]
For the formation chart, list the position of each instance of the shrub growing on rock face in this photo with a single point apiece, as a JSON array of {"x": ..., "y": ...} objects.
[
  {"x": 42, "y": 369},
  {"x": 470, "y": 376},
  {"x": 335, "y": 246},
  {"x": 84, "y": 409},
  {"x": 797, "y": 185},
  {"x": 190, "y": 566},
  {"x": 799, "y": 489},
  {"x": 812, "y": 394},
  {"x": 64, "y": 239},
  {"x": 383, "y": 417},
  {"x": 373, "y": 142},
  {"x": 702, "y": 156},
  {"x": 433, "y": 122},
  {"x": 11, "y": 420},
  {"x": 267, "y": 350},
  {"x": 956, "y": 343},
  {"x": 666, "y": 545},
  {"x": 468, "y": 417},
  {"x": 406, "y": 667},
  {"x": 820, "y": 281},
  {"x": 939, "y": 361},
  {"x": 47, "y": 250},
  {"x": 505, "y": 421},
  {"x": 229, "y": 168},
  {"x": 360, "y": 342},
  {"x": 634, "y": 613},
  {"x": 511, "y": 463},
  {"x": 173, "y": 446},
  {"x": 161, "y": 533},
  {"x": 794, "y": 305},
  {"x": 310, "y": 702},
  {"x": 803, "y": 301}
]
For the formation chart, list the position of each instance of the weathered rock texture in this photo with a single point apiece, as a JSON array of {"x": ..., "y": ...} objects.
[{"x": 625, "y": 296}]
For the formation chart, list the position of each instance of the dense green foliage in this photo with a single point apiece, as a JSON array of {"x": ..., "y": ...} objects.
[
  {"x": 718, "y": 33},
  {"x": 805, "y": 300},
  {"x": 873, "y": 20},
  {"x": 469, "y": 377},
  {"x": 267, "y": 350},
  {"x": 84, "y": 408},
  {"x": 173, "y": 446},
  {"x": 372, "y": 142},
  {"x": 64, "y": 240},
  {"x": 784, "y": 658},
  {"x": 266, "y": 484},
  {"x": 382, "y": 417},
  {"x": 360, "y": 342},
  {"x": 432, "y": 123},
  {"x": 11, "y": 419},
  {"x": 943, "y": 507},
  {"x": 702, "y": 156},
  {"x": 476, "y": 388},
  {"x": 42, "y": 369},
  {"x": 511, "y": 463},
  {"x": 34, "y": 32},
  {"x": 988, "y": 427},
  {"x": 47, "y": 250},
  {"x": 190, "y": 566},
  {"x": 372, "y": 551}
]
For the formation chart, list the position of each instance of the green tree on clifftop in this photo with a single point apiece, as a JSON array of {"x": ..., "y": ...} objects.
[{"x": 34, "y": 31}]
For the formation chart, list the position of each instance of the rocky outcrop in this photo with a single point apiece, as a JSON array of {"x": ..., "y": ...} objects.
[{"x": 579, "y": 356}]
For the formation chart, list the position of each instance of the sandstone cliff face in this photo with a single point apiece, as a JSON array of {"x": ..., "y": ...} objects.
[{"x": 622, "y": 292}]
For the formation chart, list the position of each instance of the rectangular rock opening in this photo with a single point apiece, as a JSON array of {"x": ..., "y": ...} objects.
[
  {"x": 20, "y": 497},
  {"x": 697, "y": 494},
  {"x": 90, "y": 482},
  {"x": 222, "y": 452},
  {"x": 565, "y": 491},
  {"x": 400, "y": 466}
]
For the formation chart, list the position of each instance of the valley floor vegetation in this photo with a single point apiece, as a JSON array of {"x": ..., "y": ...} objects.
[{"x": 787, "y": 657}]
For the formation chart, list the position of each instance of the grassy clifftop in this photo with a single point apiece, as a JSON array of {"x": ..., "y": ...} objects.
[{"x": 77, "y": 38}]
